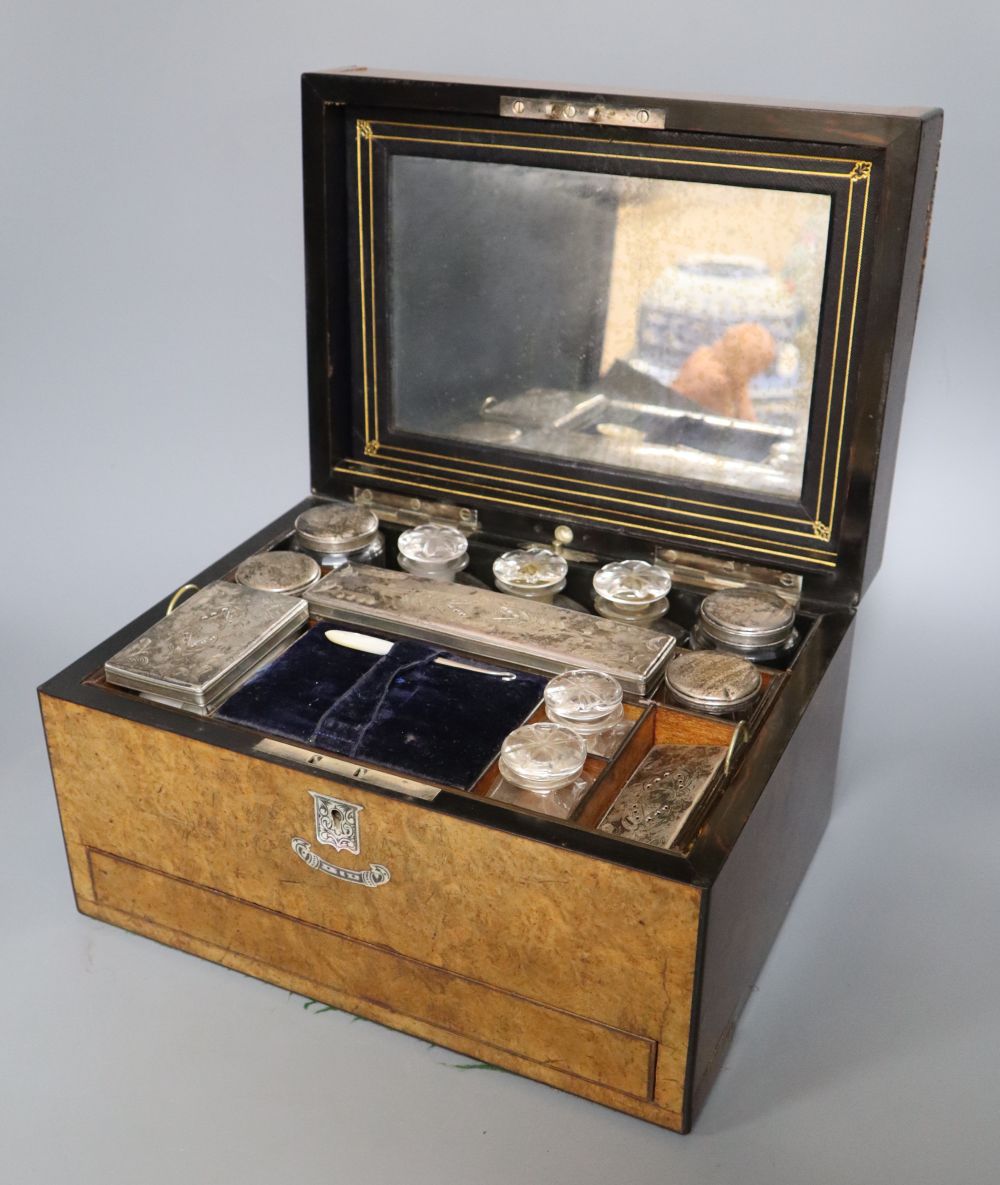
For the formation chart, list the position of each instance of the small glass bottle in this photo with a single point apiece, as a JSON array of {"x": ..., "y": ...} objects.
[
  {"x": 541, "y": 767},
  {"x": 754, "y": 623},
  {"x": 535, "y": 573},
  {"x": 433, "y": 550},
  {"x": 635, "y": 591},
  {"x": 289, "y": 572},
  {"x": 590, "y": 703},
  {"x": 712, "y": 682},
  {"x": 337, "y": 533}
]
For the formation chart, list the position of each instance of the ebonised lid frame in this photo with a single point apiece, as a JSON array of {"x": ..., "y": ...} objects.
[{"x": 362, "y": 128}]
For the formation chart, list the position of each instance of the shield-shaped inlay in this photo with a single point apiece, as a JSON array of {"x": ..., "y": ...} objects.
[{"x": 337, "y": 823}]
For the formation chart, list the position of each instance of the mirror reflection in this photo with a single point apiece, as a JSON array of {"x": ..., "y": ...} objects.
[{"x": 641, "y": 323}]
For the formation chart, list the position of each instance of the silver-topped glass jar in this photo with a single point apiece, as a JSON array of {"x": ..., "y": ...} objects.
[
  {"x": 289, "y": 572},
  {"x": 590, "y": 703},
  {"x": 755, "y": 623},
  {"x": 337, "y": 533},
  {"x": 711, "y": 681},
  {"x": 434, "y": 550},
  {"x": 542, "y": 758}
]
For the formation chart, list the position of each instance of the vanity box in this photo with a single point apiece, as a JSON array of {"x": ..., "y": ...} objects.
[{"x": 610, "y": 326}]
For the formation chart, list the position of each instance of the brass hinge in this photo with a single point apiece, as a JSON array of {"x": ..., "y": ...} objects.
[
  {"x": 411, "y": 512},
  {"x": 707, "y": 574}
]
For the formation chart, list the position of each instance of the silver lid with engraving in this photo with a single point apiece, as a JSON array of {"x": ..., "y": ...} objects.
[
  {"x": 198, "y": 652},
  {"x": 434, "y": 550},
  {"x": 279, "y": 571},
  {"x": 533, "y": 572},
  {"x": 336, "y": 528},
  {"x": 661, "y": 800},
  {"x": 711, "y": 681},
  {"x": 746, "y": 618},
  {"x": 482, "y": 622},
  {"x": 542, "y": 757}
]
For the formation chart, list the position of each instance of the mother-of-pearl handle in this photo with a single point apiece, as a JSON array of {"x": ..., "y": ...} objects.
[{"x": 369, "y": 645}]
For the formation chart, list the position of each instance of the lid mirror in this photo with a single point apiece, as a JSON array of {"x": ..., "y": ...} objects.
[
  {"x": 654, "y": 335},
  {"x": 649, "y": 324}
]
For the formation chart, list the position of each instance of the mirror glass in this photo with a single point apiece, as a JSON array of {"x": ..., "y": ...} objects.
[{"x": 648, "y": 324}]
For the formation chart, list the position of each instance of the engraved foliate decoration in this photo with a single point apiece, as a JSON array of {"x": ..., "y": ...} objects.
[
  {"x": 336, "y": 527},
  {"x": 339, "y": 827},
  {"x": 710, "y": 681},
  {"x": 491, "y": 624},
  {"x": 658, "y": 799},
  {"x": 746, "y": 617},
  {"x": 337, "y": 823}
]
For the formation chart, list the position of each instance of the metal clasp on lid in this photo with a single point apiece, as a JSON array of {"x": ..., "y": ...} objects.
[{"x": 582, "y": 111}]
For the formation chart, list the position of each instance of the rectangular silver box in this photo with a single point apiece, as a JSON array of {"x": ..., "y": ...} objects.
[
  {"x": 661, "y": 799},
  {"x": 194, "y": 656},
  {"x": 531, "y": 634}
]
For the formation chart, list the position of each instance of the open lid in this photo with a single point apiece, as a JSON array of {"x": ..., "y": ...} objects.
[{"x": 683, "y": 321}]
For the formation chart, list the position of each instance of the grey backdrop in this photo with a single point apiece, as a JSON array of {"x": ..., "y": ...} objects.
[{"x": 154, "y": 413}]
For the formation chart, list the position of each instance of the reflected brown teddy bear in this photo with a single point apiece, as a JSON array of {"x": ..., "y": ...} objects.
[{"x": 717, "y": 377}]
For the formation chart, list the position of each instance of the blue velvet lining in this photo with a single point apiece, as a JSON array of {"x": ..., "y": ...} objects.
[{"x": 402, "y": 711}]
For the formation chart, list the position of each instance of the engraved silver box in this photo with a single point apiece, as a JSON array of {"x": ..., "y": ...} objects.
[
  {"x": 660, "y": 800},
  {"x": 196, "y": 655},
  {"x": 528, "y": 633}
]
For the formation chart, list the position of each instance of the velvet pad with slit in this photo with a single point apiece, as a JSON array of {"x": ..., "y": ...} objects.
[{"x": 402, "y": 711}]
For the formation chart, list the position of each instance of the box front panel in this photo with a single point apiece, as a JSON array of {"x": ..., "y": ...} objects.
[{"x": 542, "y": 955}]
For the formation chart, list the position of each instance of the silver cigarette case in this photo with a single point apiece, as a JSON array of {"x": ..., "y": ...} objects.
[
  {"x": 194, "y": 657},
  {"x": 661, "y": 801},
  {"x": 534, "y": 635}
]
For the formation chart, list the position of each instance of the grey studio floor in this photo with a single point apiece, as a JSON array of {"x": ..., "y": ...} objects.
[{"x": 154, "y": 414}]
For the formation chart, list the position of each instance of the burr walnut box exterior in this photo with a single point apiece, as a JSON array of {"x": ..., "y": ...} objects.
[{"x": 615, "y": 327}]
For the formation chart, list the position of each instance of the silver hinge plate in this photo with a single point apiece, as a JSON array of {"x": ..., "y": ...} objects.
[
  {"x": 592, "y": 111},
  {"x": 411, "y": 512},
  {"x": 707, "y": 574}
]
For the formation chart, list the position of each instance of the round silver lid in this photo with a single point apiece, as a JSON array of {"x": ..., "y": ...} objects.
[
  {"x": 433, "y": 548},
  {"x": 712, "y": 681},
  {"x": 279, "y": 571},
  {"x": 530, "y": 571},
  {"x": 632, "y": 584},
  {"x": 746, "y": 618},
  {"x": 336, "y": 528},
  {"x": 542, "y": 757},
  {"x": 584, "y": 700}
]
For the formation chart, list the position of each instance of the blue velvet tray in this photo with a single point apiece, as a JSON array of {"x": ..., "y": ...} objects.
[{"x": 402, "y": 710}]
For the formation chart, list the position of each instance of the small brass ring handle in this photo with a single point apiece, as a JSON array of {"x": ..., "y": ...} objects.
[
  {"x": 738, "y": 737},
  {"x": 172, "y": 604}
]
